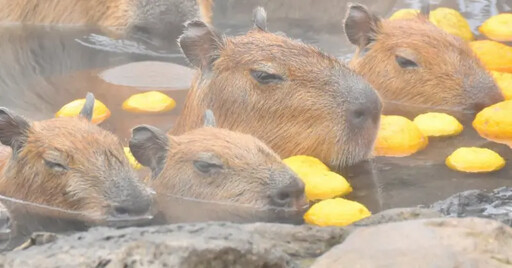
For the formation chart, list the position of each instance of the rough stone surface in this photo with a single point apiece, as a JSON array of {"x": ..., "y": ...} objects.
[
  {"x": 446, "y": 242},
  {"x": 182, "y": 245},
  {"x": 496, "y": 205},
  {"x": 398, "y": 214}
]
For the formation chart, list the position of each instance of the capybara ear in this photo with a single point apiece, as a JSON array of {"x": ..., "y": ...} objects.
[
  {"x": 88, "y": 108},
  {"x": 13, "y": 130},
  {"x": 425, "y": 8},
  {"x": 361, "y": 26},
  {"x": 209, "y": 119},
  {"x": 200, "y": 44},
  {"x": 259, "y": 18},
  {"x": 149, "y": 146}
]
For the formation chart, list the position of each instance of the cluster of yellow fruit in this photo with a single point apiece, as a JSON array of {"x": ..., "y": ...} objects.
[
  {"x": 399, "y": 136},
  {"x": 146, "y": 103},
  {"x": 327, "y": 187},
  {"x": 495, "y": 56}
]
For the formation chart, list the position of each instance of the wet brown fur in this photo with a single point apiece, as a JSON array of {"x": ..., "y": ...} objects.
[
  {"x": 92, "y": 156},
  {"x": 306, "y": 114},
  {"x": 449, "y": 74}
]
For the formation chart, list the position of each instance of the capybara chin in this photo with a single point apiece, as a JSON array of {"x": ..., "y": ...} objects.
[
  {"x": 290, "y": 95},
  {"x": 70, "y": 164},
  {"x": 216, "y": 174},
  {"x": 411, "y": 61}
]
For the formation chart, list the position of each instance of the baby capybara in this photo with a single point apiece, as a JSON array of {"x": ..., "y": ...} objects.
[
  {"x": 215, "y": 174},
  {"x": 290, "y": 95},
  {"x": 411, "y": 61},
  {"x": 70, "y": 164}
]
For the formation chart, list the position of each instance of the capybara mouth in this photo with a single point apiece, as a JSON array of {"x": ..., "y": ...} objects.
[{"x": 120, "y": 222}]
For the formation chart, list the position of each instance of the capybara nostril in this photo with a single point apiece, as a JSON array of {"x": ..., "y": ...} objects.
[
  {"x": 290, "y": 195},
  {"x": 367, "y": 110},
  {"x": 132, "y": 208}
]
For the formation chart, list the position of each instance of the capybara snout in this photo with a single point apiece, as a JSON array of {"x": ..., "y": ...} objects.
[
  {"x": 290, "y": 194},
  {"x": 70, "y": 164}
]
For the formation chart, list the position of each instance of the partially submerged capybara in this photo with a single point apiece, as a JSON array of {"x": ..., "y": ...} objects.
[
  {"x": 118, "y": 15},
  {"x": 216, "y": 174},
  {"x": 411, "y": 61},
  {"x": 290, "y": 95},
  {"x": 70, "y": 164}
]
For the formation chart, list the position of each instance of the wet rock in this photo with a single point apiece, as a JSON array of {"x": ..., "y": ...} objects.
[
  {"x": 301, "y": 241},
  {"x": 398, "y": 214},
  {"x": 183, "y": 245},
  {"x": 496, "y": 204},
  {"x": 447, "y": 242}
]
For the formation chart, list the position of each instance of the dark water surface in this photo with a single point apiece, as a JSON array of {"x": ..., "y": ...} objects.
[{"x": 43, "y": 68}]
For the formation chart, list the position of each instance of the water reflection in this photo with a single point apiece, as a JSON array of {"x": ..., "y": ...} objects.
[{"x": 43, "y": 68}]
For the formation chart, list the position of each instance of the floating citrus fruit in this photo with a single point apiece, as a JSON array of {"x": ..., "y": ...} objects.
[
  {"x": 149, "y": 102},
  {"x": 304, "y": 162},
  {"x": 72, "y": 109},
  {"x": 336, "y": 212},
  {"x": 133, "y": 162},
  {"x": 498, "y": 27},
  {"x": 494, "y": 55},
  {"x": 398, "y": 136},
  {"x": 473, "y": 159},
  {"x": 495, "y": 122},
  {"x": 504, "y": 82},
  {"x": 406, "y": 13},
  {"x": 452, "y": 22},
  {"x": 320, "y": 183},
  {"x": 438, "y": 124}
]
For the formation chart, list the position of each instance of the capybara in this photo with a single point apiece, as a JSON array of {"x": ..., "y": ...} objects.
[
  {"x": 120, "y": 16},
  {"x": 70, "y": 164},
  {"x": 290, "y": 95},
  {"x": 411, "y": 61},
  {"x": 211, "y": 173}
]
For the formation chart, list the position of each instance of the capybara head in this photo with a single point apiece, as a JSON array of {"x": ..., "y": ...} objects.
[
  {"x": 290, "y": 95},
  {"x": 231, "y": 176},
  {"x": 411, "y": 61},
  {"x": 70, "y": 164}
]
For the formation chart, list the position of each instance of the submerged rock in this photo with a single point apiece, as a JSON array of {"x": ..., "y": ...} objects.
[
  {"x": 496, "y": 205},
  {"x": 469, "y": 242},
  {"x": 182, "y": 245}
]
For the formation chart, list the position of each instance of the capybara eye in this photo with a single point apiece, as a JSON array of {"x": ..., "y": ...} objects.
[
  {"x": 405, "y": 62},
  {"x": 55, "y": 166},
  {"x": 266, "y": 78},
  {"x": 206, "y": 167}
]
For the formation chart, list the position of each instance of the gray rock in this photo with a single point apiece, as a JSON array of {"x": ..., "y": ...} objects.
[
  {"x": 475, "y": 203},
  {"x": 398, "y": 214},
  {"x": 182, "y": 245},
  {"x": 447, "y": 242}
]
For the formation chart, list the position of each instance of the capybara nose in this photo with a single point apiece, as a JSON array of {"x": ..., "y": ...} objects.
[
  {"x": 290, "y": 195},
  {"x": 366, "y": 110},
  {"x": 132, "y": 208},
  {"x": 491, "y": 98}
]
